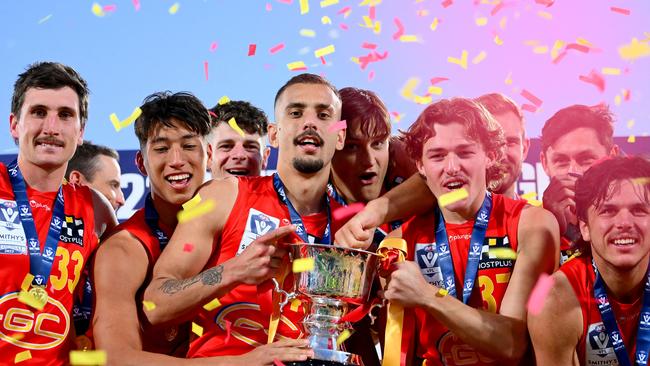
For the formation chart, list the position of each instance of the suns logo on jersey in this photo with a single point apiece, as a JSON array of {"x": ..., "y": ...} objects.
[
  {"x": 38, "y": 330},
  {"x": 453, "y": 351}
]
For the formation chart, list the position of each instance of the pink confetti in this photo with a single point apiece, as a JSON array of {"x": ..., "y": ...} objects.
[
  {"x": 277, "y": 362},
  {"x": 497, "y": 8},
  {"x": 344, "y": 10},
  {"x": 344, "y": 26},
  {"x": 447, "y": 3},
  {"x": 337, "y": 126},
  {"x": 251, "y": 49},
  {"x": 286, "y": 1},
  {"x": 533, "y": 99},
  {"x": 437, "y": 80},
  {"x": 539, "y": 293},
  {"x": 577, "y": 47},
  {"x": 228, "y": 331},
  {"x": 213, "y": 46},
  {"x": 620, "y": 10},
  {"x": 529, "y": 108},
  {"x": 136, "y": 4},
  {"x": 371, "y": 75},
  {"x": 205, "y": 68},
  {"x": 626, "y": 94},
  {"x": 400, "y": 29},
  {"x": 322, "y": 60},
  {"x": 269, "y": 7},
  {"x": 559, "y": 57},
  {"x": 187, "y": 247},
  {"x": 594, "y": 78},
  {"x": 277, "y": 48},
  {"x": 213, "y": 114},
  {"x": 545, "y": 2},
  {"x": 110, "y": 8},
  {"x": 372, "y": 13},
  {"x": 346, "y": 212},
  {"x": 370, "y": 46}
]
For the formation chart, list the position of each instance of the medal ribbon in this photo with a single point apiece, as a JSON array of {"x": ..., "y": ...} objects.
[
  {"x": 151, "y": 217},
  {"x": 40, "y": 265},
  {"x": 475, "y": 247},
  {"x": 392, "y": 250},
  {"x": 611, "y": 327}
]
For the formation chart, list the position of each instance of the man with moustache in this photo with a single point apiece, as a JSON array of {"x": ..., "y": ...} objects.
[
  {"x": 244, "y": 209},
  {"x": 598, "y": 309}
]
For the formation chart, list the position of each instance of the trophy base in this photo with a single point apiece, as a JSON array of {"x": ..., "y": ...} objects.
[{"x": 328, "y": 357}]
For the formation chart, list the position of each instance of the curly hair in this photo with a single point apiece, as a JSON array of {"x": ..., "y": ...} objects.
[
  {"x": 250, "y": 118},
  {"x": 479, "y": 124}
]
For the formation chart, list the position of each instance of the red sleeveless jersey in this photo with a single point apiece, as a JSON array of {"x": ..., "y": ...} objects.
[
  {"x": 433, "y": 341},
  {"x": 595, "y": 347},
  {"x": 46, "y": 333},
  {"x": 240, "y": 324},
  {"x": 170, "y": 340}
]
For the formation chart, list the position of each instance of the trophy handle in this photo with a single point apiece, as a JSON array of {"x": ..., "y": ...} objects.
[
  {"x": 288, "y": 296},
  {"x": 378, "y": 305}
]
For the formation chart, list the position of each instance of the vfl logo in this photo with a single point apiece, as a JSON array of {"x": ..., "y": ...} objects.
[
  {"x": 443, "y": 248},
  {"x": 13, "y": 171},
  {"x": 38, "y": 279},
  {"x": 469, "y": 284},
  {"x": 428, "y": 257},
  {"x": 10, "y": 215},
  {"x": 645, "y": 319},
  {"x": 642, "y": 357},
  {"x": 57, "y": 222},
  {"x": 33, "y": 243},
  {"x": 482, "y": 217},
  {"x": 616, "y": 339},
  {"x": 49, "y": 254},
  {"x": 450, "y": 283},
  {"x": 602, "y": 302},
  {"x": 476, "y": 249},
  {"x": 261, "y": 224},
  {"x": 24, "y": 210}
]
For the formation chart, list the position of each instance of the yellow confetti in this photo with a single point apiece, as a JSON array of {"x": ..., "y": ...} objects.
[
  {"x": 502, "y": 253},
  {"x": 307, "y": 32},
  {"x": 18, "y": 336},
  {"x": 531, "y": 42},
  {"x": 462, "y": 61},
  {"x": 531, "y": 198},
  {"x": 302, "y": 265},
  {"x": 631, "y": 139},
  {"x": 326, "y": 20},
  {"x": 148, "y": 305},
  {"x": 193, "y": 202},
  {"x": 367, "y": 22},
  {"x": 409, "y": 87},
  {"x": 540, "y": 50},
  {"x": 377, "y": 28},
  {"x": 502, "y": 22},
  {"x": 296, "y": 65},
  {"x": 630, "y": 123},
  {"x": 88, "y": 357},
  {"x": 326, "y": 3},
  {"x": 434, "y": 89},
  {"x": 201, "y": 209},
  {"x": 197, "y": 329},
  {"x": 584, "y": 42},
  {"x": 97, "y": 10},
  {"x": 508, "y": 80},
  {"x": 355, "y": 60},
  {"x": 617, "y": 100},
  {"x": 304, "y": 7},
  {"x": 174, "y": 8},
  {"x": 22, "y": 356},
  {"x": 130, "y": 119},
  {"x": 642, "y": 181},
  {"x": 27, "y": 281},
  {"x": 545, "y": 15},
  {"x": 453, "y": 196},
  {"x": 295, "y": 304},
  {"x": 480, "y": 57},
  {"x": 481, "y": 21},
  {"x": 442, "y": 292},
  {"x": 634, "y": 50},
  {"x": 215, "y": 303},
  {"x": 555, "y": 51},
  {"x": 324, "y": 51},
  {"x": 233, "y": 124},
  {"x": 498, "y": 40},
  {"x": 223, "y": 100},
  {"x": 434, "y": 24},
  {"x": 345, "y": 334},
  {"x": 28, "y": 299},
  {"x": 398, "y": 117},
  {"x": 611, "y": 71},
  {"x": 422, "y": 100},
  {"x": 370, "y": 2},
  {"x": 408, "y": 38}
]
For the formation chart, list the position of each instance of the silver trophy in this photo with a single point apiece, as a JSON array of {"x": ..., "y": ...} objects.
[{"x": 341, "y": 276}]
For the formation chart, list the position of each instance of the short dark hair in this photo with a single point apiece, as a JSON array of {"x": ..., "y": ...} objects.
[
  {"x": 50, "y": 75},
  {"x": 85, "y": 159},
  {"x": 480, "y": 126},
  {"x": 250, "y": 118},
  {"x": 599, "y": 118},
  {"x": 595, "y": 185},
  {"x": 160, "y": 108},
  {"x": 306, "y": 78},
  {"x": 365, "y": 109},
  {"x": 497, "y": 103}
]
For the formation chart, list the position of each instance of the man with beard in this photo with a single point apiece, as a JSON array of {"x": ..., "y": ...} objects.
[
  {"x": 234, "y": 153},
  {"x": 245, "y": 208},
  {"x": 573, "y": 139},
  {"x": 598, "y": 310}
]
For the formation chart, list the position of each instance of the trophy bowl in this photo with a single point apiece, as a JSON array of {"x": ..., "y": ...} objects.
[{"x": 341, "y": 276}]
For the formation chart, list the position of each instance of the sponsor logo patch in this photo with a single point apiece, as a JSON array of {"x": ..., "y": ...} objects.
[
  {"x": 599, "y": 348},
  {"x": 72, "y": 230},
  {"x": 12, "y": 236},
  {"x": 257, "y": 224},
  {"x": 427, "y": 258}
]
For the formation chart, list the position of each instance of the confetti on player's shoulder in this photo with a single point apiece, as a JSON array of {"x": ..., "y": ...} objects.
[
  {"x": 201, "y": 209},
  {"x": 302, "y": 265},
  {"x": 197, "y": 329},
  {"x": 502, "y": 253},
  {"x": 530, "y": 197},
  {"x": 82, "y": 358},
  {"x": 215, "y": 303},
  {"x": 148, "y": 305},
  {"x": 453, "y": 196},
  {"x": 346, "y": 212},
  {"x": 188, "y": 247}
]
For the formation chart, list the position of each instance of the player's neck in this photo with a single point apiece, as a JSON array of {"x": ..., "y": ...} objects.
[
  {"x": 305, "y": 191},
  {"x": 464, "y": 214},
  {"x": 166, "y": 211},
  {"x": 623, "y": 284},
  {"x": 39, "y": 178},
  {"x": 511, "y": 192}
]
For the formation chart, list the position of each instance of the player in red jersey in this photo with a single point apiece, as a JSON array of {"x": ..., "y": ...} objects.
[
  {"x": 244, "y": 209},
  {"x": 598, "y": 311},
  {"x": 48, "y": 230},
  {"x": 456, "y": 144},
  {"x": 172, "y": 131}
]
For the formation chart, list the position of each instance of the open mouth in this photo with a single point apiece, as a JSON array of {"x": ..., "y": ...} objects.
[
  {"x": 623, "y": 241},
  {"x": 238, "y": 171},
  {"x": 368, "y": 177},
  {"x": 179, "y": 180},
  {"x": 308, "y": 140},
  {"x": 454, "y": 184},
  {"x": 49, "y": 143}
]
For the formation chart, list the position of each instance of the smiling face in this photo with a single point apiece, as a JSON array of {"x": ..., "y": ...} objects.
[
  {"x": 516, "y": 149},
  {"x": 48, "y": 128},
  {"x": 175, "y": 159},
  {"x": 619, "y": 227},
  {"x": 451, "y": 161},
  {"x": 304, "y": 114},
  {"x": 234, "y": 154}
]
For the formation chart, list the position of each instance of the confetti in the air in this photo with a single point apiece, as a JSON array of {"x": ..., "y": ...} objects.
[
  {"x": 302, "y": 265},
  {"x": 45, "y": 19},
  {"x": 277, "y": 48},
  {"x": 148, "y": 305},
  {"x": 197, "y": 329},
  {"x": 453, "y": 196},
  {"x": 223, "y": 100},
  {"x": 22, "y": 356},
  {"x": 174, "y": 8},
  {"x": 345, "y": 334},
  {"x": 251, "y": 49},
  {"x": 539, "y": 294},
  {"x": 215, "y": 303},
  {"x": 346, "y": 212},
  {"x": 118, "y": 125}
]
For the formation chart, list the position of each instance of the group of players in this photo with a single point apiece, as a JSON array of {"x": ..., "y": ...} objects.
[{"x": 197, "y": 291}]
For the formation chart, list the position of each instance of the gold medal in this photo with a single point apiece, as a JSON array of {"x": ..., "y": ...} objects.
[{"x": 39, "y": 293}]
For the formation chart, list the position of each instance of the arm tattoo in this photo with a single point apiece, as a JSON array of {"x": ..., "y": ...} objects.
[{"x": 209, "y": 277}]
